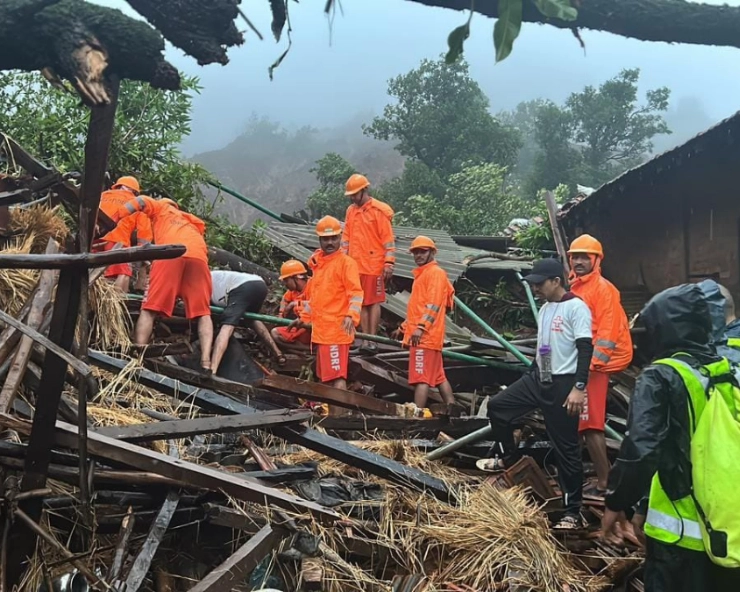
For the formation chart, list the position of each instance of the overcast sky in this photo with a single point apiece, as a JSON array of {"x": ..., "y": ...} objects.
[{"x": 330, "y": 76}]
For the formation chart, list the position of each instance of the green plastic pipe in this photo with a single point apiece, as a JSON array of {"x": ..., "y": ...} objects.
[
  {"x": 451, "y": 355},
  {"x": 496, "y": 335},
  {"x": 245, "y": 199},
  {"x": 530, "y": 297}
]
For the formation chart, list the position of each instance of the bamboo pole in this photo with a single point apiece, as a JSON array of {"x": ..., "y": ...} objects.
[{"x": 530, "y": 297}]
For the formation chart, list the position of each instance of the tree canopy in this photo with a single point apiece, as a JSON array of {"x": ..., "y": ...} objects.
[{"x": 441, "y": 118}]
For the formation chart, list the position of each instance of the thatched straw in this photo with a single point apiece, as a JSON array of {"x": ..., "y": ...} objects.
[
  {"x": 41, "y": 222},
  {"x": 16, "y": 285},
  {"x": 111, "y": 323}
]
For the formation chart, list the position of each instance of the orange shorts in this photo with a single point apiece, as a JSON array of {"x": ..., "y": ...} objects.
[
  {"x": 332, "y": 361},
  {"x": 289, "y": 335},
  {"x": 594, "y": 409},
  {"x": 188, "y": 278},
  {"x": 113, "y": 271},
  {"x": 373, "y": 289},
  {"x": 426, "y": 367}
]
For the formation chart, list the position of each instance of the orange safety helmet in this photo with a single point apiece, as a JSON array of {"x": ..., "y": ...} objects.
[
  {"x": 586, "y": 244},
  {"x": 355, "y": 184},
  {"x": 291, "y": 268},
  {"x": 129, "y": 182},
  {"x": 422, "y": 242},
  {"x": 329, "y": 226}
]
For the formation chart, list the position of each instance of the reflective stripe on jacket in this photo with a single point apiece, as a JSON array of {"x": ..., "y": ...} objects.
[
  {"x": 676, "y": 522},
  {"x": 288, "y": 297},
  {"x": 612, "y": 339},
  {"x": 333, "y": 292},
  {"x": 110, "y": 202},
  {"x": 169, "y": 225},
  {"x": 431, "y": 296},
  {"x": 368, "y": 236}
]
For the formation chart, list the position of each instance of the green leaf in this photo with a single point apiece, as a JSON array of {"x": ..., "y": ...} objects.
[
  {"x": 559, "y": 9},
  {"x": 455, "y": 42},
  {"x": 507, "y": 27}
]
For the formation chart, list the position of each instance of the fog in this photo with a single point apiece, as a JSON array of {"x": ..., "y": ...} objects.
[{"x": 335, "y": 71}]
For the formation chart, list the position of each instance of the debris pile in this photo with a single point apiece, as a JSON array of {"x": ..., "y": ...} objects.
[{"x": 183, "y": 481}]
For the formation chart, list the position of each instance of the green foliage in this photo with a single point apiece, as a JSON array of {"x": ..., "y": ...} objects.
[
  {"x": 332, "y": 172},
  {"x": 250, "y": 244},
  {"x": 535, "y": 238},
  {"x": 150, "y": 124},
  {"x": 507, "y": 27},
  {"x": 477, "y": 200},
  {"x": 441, "y": 118},
  {"x": 596, "y": 135}
]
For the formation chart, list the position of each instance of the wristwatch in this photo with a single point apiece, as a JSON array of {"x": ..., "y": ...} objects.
[{"x": 581, "y": 386}]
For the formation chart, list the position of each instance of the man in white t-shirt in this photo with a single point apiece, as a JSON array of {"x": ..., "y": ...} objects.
[
  {"x": 237, "y": 293},
  {"x": 556, "y": 386}
]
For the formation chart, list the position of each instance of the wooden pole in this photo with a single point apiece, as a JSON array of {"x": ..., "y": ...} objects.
[
  {"x": 552, "y": 214},
  {"x": 97, "y": 146}
]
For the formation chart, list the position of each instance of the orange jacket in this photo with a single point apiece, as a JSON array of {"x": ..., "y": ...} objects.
[
  {"x": 291, "y": 296},
  {"x": 368, "y": 236},
  {"x": 612, "y": 339},
  {"x": 170, "y": 226},
  {"x": 110, "y": 202},
  {"x": 431, "y": 296},
  {"x": 332, "y": 293}
]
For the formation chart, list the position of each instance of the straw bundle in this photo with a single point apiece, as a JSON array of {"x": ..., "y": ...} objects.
[
  {"x": 111, "y": 323},
  {"x": 492, "y": 538},
  {"x": 40, "y": 222},
  {"x": 16, "y": 285}
]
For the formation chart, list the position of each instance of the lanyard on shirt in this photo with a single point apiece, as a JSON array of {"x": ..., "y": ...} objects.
[{"x": 548, "y": 325}]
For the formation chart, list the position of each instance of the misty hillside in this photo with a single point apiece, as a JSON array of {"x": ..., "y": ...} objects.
[{"x": 272, "y": 165}]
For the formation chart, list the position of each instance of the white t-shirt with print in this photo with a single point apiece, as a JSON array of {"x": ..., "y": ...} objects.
[{"x": 560, "y": 324}]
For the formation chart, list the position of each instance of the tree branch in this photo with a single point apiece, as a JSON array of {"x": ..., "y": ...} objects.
[{"x": 647, "y": 20}]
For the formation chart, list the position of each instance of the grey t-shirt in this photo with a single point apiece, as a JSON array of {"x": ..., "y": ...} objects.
[{"x": 560, "y": 324}]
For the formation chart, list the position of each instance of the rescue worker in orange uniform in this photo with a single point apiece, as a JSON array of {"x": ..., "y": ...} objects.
[
  {"x": 368, "y": 239},
  {"x": 612, "y": 345},
  {"x": 294, "y": 276},
  {"x": 124, "y": 190},
  {"x": 424, "y": 329},
  {"x": 187, "y": 277},
  {"x": 333, "y": 304}
]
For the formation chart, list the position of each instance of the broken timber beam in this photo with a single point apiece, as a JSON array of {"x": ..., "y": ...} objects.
[
  {"x": 226, "y": 576},
  {"x": 212, "y": 402},
  {"x": 88, "y": 260},
  {"x": 143, "y": 560},
  {"x": 182, "y": 428},
  {"x": 197, "y": 476},
  {"x": 41, "y": 301},
  {"x": 80, "y": 367},
  {"x": 315, "y": 391}
]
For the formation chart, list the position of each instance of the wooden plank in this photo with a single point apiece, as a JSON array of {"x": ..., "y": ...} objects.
[
  {"x": 39, "y": 306},
  {"x": 182, "y": 428},
  {"x": 197, "y": 476},
  {"x": 10, "y": 336},
  {"x": 143, "y": 560},
  {"x": 80, "y": 367},
  {"x": 225, "y": 577},
  {"x": 88, "y": 260},
  {"x": 403, "y": 425},
  {"x": 314, "y": 391},
  {"x": 212, "y": 402}
]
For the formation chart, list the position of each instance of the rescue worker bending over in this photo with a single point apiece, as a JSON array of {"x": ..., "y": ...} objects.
[
  {"x": 612, "y": 346},
  {"x": 655, "y": 454},
  {"x": 368, "y": 239},
  {"x": 123, "y": 191},
  {"x": 424, "y": 329},
  {"x": 294, "y": 276},
  {"x": 333, "y": 304},
  {"x": 187, "y": 277},
  {"x": 237, "y": 293}
]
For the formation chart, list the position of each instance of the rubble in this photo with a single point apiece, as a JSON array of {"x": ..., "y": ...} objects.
[{"x": 212, "y": 483}]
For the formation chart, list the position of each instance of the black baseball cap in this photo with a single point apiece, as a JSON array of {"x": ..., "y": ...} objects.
[{"x": 544, "y": 269}]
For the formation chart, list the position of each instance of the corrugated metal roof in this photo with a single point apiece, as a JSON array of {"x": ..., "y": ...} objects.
[
  {"x": 397, "y": 304},
  {"x": 299, "y": 241}
]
